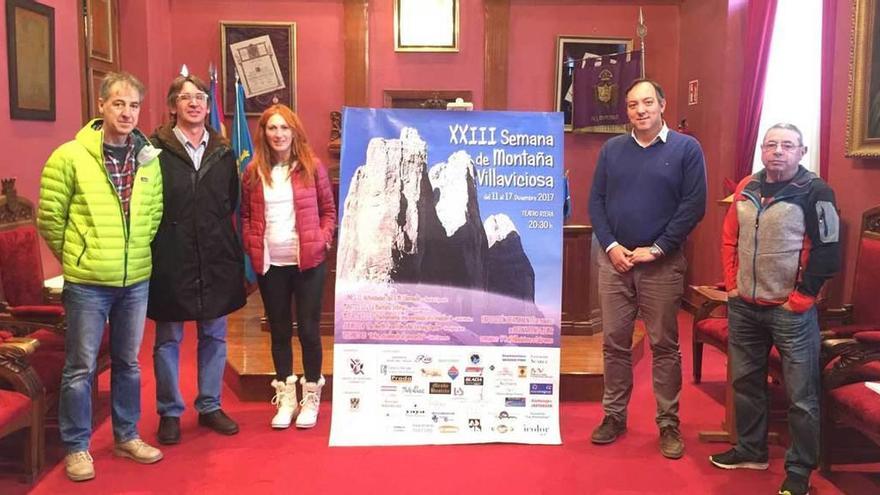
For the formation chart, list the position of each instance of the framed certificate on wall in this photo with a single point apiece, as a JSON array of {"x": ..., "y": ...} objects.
[{"x": 263, "y": 54}]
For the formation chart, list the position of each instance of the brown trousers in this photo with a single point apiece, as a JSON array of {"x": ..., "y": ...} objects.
[{"x": 652, "y": 291}]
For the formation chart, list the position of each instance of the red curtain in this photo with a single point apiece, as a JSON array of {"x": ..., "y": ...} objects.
[
  {"x": 829, "y": 21},
  {"x": 759, "y": 32}
]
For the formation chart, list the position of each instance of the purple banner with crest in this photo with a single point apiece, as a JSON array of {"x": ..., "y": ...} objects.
[{"x": 599, "y": 85}]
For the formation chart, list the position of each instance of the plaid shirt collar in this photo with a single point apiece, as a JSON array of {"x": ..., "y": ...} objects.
[{"x": 122, "y": 173}]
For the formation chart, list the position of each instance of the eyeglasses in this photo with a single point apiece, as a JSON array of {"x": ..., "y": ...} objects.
[
  {"x": 786, "y": 146},
  {"x": 199, "y": 97}
]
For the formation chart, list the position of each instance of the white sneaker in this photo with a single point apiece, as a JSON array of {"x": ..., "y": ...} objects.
[
  {"x": 285, "y": 401},
  {"x": 308, "y": 414},
  {"x": 79, "y": 466}
]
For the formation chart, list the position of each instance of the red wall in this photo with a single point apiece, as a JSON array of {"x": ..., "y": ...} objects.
[
  {"x": 716, "y": 62},
  {"x": 145, "y": 46},
  {"x": 412, "y": 70},
  {"x": 195, "y": 34},
  {"x": 534, "y": 27},
  {"x": 694, "y": 40},
  {"x": 29, "y": 143},
  {"x": 160, "y": 36}
]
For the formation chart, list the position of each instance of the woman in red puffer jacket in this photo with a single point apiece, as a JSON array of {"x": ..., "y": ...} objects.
[{"x": 288, "y": 221}]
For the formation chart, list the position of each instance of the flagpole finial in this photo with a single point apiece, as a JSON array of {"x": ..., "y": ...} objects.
[
  {"x": 184, "y": 71},
  {"x": 212, "y": 71},
  {"x": 642, "y": 31}
]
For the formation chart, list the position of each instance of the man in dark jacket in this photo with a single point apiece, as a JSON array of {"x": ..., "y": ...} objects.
[{"x": 198, "y": 270}]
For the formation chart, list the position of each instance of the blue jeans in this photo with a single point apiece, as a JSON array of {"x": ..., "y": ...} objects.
[
  {"x": 753, "y": 330},
  {"x": 211, "y": 362},
  {"x": 88, "y": 307}
]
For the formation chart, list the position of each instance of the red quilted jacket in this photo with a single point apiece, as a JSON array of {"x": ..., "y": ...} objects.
[{"x": 315, "y": 218}]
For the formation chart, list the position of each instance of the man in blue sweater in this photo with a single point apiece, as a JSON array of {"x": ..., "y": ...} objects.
[{"x": 649, "y": 192}]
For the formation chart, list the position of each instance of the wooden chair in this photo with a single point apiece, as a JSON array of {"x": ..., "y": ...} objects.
[
  {"x": 851, "y": 357},
  {"x": 22, "y": 401},
  {"x": 710, "y": 324}
]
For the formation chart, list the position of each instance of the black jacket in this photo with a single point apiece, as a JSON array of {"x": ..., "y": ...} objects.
[{"x": 198, "y": 263}]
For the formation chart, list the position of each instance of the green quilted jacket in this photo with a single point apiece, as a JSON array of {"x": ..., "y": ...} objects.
[{"x": 80, "y": 214}]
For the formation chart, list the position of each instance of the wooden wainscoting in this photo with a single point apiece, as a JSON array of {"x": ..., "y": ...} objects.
[{"x": 580, "y": 300}]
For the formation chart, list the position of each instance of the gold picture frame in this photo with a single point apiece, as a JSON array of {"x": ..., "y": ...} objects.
[
  {"x": 570, "y": 49},
  {"x": 30, "y": 46},
  {"x": 283, "y": 37},
  {"x": 426, "y": 25},
  {"x": 863, "y": 122}
]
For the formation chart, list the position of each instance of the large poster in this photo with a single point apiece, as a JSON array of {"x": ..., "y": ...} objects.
[{"x": 448, "y": 288}]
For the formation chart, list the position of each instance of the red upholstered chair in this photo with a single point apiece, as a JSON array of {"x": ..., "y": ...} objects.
[
  {"x": 864, "y": 311},
  {"x": 851, "y": 357},
  {"x": 26, "y": 308},
  {"x": 21, "y": 400},
  {"x": 21, "y": 268},
  {"x": 850, "y": 409}
]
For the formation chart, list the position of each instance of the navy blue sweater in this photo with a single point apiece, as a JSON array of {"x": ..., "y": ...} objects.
[{"x": 644, "y": 196}]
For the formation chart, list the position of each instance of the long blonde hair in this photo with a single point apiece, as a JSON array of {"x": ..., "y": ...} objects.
[{"x": 301, "y": 151}]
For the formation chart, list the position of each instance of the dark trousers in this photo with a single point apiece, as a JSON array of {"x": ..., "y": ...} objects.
[
  {"x": 277, "y": 287},
  {"x": 753, "y": 330}
]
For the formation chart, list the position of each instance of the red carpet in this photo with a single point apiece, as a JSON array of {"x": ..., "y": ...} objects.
[{"x": 260, "y": 460}]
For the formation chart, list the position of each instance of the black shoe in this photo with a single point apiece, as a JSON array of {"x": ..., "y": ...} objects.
[
  {"x": 795, "y": 484},
  {"x": 608, "y": 431},
  {"x": 734, "y": 460},
  {"x": 169, "y": 430},
  {"x": 671, "y": 444},
  {"x": 219, "y": 422}
]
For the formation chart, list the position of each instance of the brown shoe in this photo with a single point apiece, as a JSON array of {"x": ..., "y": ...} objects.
[
  {"x": 608, "y": 431},
  {"x": 138, "y": 451},
  {"x": 671, "y": 444},
  {"x": 79, "y": 466},
  {"x": 219, "y": 422}
]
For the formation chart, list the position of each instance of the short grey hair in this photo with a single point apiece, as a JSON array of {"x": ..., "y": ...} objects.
[
  {"x": 120, "y": 77},
  {"x": 787, "y": 127}
]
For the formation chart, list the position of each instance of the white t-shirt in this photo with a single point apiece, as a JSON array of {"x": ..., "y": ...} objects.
[{"x": 281, "y": 243}]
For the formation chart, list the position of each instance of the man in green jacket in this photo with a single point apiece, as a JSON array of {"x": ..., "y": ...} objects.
[{"x": 100, "y": 207}]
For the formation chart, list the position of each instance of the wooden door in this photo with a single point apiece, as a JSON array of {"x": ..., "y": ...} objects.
[{"x": 99, "y": 39}]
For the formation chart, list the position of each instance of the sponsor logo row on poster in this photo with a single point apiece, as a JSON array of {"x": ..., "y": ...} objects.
[{"x": 468, "y": 391}]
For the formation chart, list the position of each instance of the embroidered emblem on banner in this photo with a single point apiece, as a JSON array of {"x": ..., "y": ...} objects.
[{"x": 606, "y": 89}]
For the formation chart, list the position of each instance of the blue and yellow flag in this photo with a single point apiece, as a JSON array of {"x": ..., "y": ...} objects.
[{"x": 243, "y": 148}]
